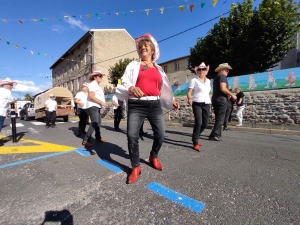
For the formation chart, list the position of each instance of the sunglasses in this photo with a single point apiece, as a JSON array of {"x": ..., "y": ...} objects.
[
  {"x": 99, "y": 76},
  {"x": 200, "y": 69}
]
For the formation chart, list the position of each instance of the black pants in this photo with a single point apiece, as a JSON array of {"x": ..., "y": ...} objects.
[
  {"x": 117, "y": 117},
  {"x": 201, "y": 113},
  {"x": 228, "y": 114},
  {"x": 220, "y": 111},
  {"x": 50, "y": 116},
  {"x": 83, "y": 116},
  {"x": 138, "y": 110}
]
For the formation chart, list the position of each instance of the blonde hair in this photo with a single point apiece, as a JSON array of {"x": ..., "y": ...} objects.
[
  {"x": 144, "y": 42},
  {"x": 238, "y": 89}
]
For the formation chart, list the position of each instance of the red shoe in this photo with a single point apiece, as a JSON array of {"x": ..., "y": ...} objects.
[
  {"x": 135, "y": 172},
  {"x": 155, "y": 163},
  {"x": 197, "y": 148},
  {"x": 199, "y": 143}
]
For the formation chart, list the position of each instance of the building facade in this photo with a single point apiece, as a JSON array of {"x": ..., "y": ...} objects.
[{"x": 98, "y": 49}]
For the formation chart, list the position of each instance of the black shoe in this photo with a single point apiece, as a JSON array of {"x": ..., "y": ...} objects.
[
  {"x": 214, "y": 138},
  {"x": 143, "y": 133},
  {"x": 225, "y": 128},
  {"x": 118, "y": 129}
]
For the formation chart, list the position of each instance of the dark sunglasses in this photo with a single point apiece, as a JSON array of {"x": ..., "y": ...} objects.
[{"x": 200, "y": 69}]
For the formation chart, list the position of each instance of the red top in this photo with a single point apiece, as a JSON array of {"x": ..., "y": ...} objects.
[{"x": 149, "y": 81}]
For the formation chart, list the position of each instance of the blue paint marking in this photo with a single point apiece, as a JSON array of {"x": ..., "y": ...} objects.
[
  {"x": 33, "y": 159},
  {"x": 174, "y": 196},
  {"x": 83, "y": 152},
  {"x": 109, "y": 166}
]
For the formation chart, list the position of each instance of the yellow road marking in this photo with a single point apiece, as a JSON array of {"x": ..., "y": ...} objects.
[{"x": 37, "y": 146}]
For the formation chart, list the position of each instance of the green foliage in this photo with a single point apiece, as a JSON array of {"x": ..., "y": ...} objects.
[
  {"x": 116, "y": 72},
  {"x": 250, "y": 40},
  {"x": 28, "y": 97}
]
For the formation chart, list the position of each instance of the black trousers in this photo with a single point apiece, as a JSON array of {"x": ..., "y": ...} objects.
[
  {"x": 50, "y": 116},
  {"x": 83, "y": 116},
  {"x": 117, "y": 116},
  {"x": 228, "y": 114},
  {"x": 201, "y": 113},
  {"x": 220, "y": 111}
]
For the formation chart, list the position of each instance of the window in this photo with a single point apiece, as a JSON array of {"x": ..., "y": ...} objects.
[
  {"x": 166, "y": 69},
  {"x": 176, "y": 65}
]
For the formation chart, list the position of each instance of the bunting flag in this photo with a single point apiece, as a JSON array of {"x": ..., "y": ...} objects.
[
  {"x": 224, "y": 1},
  {"x": 66, "y": 17},
  {"x": 34, "y": 20},
  {"x": 181, "y": 8},
  {"x": 161, "y": 10},
  {"x": 8, "y": 42},
  {"x": 46, "y": 55},
  {"x": 21, "y": 21},
  {"x": 24, "y": 48},
  {"x": 88, "y": 15},
  {"x": 41, "y": 20},
  {"x": 38, "y": 53},
  {"x": 147, "y": 11},
  {"x": 51, "y": 18},
  {"x": 31, "y": 51},
  {"x": 17, "y": 46},
  {"x": 125, "y": 13},
  {"x": 214, "y": 2},
  {"x": 191, "y": 7},
  {"x": 202, "y": 4},
  {"x": 5, "y": 21},
  {"x": 117, "y": 13},
  {"x": 97, "y": 15}
]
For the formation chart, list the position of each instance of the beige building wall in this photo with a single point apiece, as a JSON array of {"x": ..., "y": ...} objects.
[
  {"x": 177, "y": 70},
  {"x": 98, "y": 49}
]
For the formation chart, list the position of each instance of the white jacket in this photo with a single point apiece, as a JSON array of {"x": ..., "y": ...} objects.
[{"x": 129, "y": 79}]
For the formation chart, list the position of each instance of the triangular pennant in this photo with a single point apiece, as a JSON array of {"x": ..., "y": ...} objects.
[
  {"x": 224, "y": 1},
  {"x": 41, "y": 20},
  {"x": 58, "y": 18},
  {"x": 147, "y": 11},
  {"x": 131, "y": 11},
  {"x": 74, "y": 16},
  {"x": 34, "y": 20},
  {"x": 202, "y": 4},
  {"x": 8, "y": 42},
  {"x": 117, "y": 13},
  {"x": 46, "y": 55},
  {"x": 66, "y": 17},
  {"x": 214, "y": 2},
  {"x": 97, "y": 15},
  {"x": 24, "y": 48},
  {"x": 191, "y": 7},
  {"x": 51, "y": 18},
  {"x": 161, "y": 10},
  {"x": 5, "y": 21},
  {"x": 21, "y": 21},
  {"x": 31, "y": 51},
  {"x": 181, "y": 8},
  {"x": 88, "y": 15},
  {"x": 125, "y": 13},
  {"x": 17, "y": 46},
  {"x": 39, "y": 53}
]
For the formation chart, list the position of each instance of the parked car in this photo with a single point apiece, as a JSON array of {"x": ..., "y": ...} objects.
[{"x": 27, "y": 111}]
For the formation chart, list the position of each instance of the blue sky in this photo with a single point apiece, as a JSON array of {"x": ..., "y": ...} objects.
[{"x": 54, "y": 37}]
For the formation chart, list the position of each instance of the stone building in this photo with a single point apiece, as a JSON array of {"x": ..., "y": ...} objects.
[{"x": 98, "y": 49}]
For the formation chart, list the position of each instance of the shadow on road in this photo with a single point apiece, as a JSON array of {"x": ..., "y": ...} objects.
[{"x": 64, "y": 217}]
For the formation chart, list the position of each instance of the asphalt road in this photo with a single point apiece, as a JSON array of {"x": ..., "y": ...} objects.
[{"x": 246, "y": 178}]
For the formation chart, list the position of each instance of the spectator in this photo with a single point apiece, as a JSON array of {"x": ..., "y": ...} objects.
[
  {"x": 240, "y": 104},
  {"x": 219, "y": 99},
  {"x": 6, "y": 98},
  {"x": 230, "y": 103},
  {"x": 50, "y": 110},
  {"x": 80, "y": 100},
  {"x": 117, "y": 106}
]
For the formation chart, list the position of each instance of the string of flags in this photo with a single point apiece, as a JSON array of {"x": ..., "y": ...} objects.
[{"x": 189, "y": 7}]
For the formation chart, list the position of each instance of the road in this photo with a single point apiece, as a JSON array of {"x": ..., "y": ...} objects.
[{"x": 247, "y": 178}]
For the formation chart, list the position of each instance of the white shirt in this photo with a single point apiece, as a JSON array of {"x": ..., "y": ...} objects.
[
  {"x": 201, "y": 90},
  {"x": 5, "y": 98},
  {"x": 116, "y": 100},
  {"x": 82, "y": 97},
  {"x": 51, "y": 105},
  {"x": 95, "y": 87}
]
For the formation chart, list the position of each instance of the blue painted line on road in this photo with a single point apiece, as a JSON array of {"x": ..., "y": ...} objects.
[
  {"x": 33, "y": 159},
  {"x": 174, "y": 196},
  {"x": 83, "y": 152},
  {"x": 109, "y": 166}
]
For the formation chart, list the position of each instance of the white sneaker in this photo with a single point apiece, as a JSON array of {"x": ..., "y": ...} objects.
[{"x": 239, "y": 125}]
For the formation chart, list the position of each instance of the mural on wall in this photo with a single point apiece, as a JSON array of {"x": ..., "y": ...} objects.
[{"x": 288, "y": 78}]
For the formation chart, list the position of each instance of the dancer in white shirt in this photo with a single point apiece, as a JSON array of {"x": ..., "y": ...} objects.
[{"x": 50, "y": 110}]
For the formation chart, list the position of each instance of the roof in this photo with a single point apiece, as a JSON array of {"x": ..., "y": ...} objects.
[
  {"x": 82, "y": 39},
  {"x": 172, "y": 60}
]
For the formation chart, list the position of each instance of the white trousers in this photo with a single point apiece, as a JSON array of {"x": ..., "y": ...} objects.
[{"x": 239, "y": 114}]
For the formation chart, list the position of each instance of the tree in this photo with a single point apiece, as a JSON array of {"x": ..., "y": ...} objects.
[
  {"x": 28, "y": 97},
  {"x": 250, "y": 40},
  {"x": 116, "y": 72}
]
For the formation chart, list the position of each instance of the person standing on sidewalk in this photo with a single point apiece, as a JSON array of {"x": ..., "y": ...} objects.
[
  {"x": 117, "y": 106},
  {"x": 219, "y": 99},
  {"x": 50, "y": 110},
  {"x": 200, "y": 102},
  {"x": 80, "y": 100},
  {"x": 240, "y": 106},
  {"x": 6, "y": 98},
  {"x": 95, "y": 102},
  {"x": 148, "y": 89}
]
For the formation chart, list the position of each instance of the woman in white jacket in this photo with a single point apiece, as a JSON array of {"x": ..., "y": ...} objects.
[{"x": 147, "y": 89}]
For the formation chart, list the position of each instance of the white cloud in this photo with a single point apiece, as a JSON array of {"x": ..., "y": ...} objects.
[
  {"x": 24, "y": 86},
  {"x": 77, "y": 23},
  {"x": 58, "y": 28}
]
